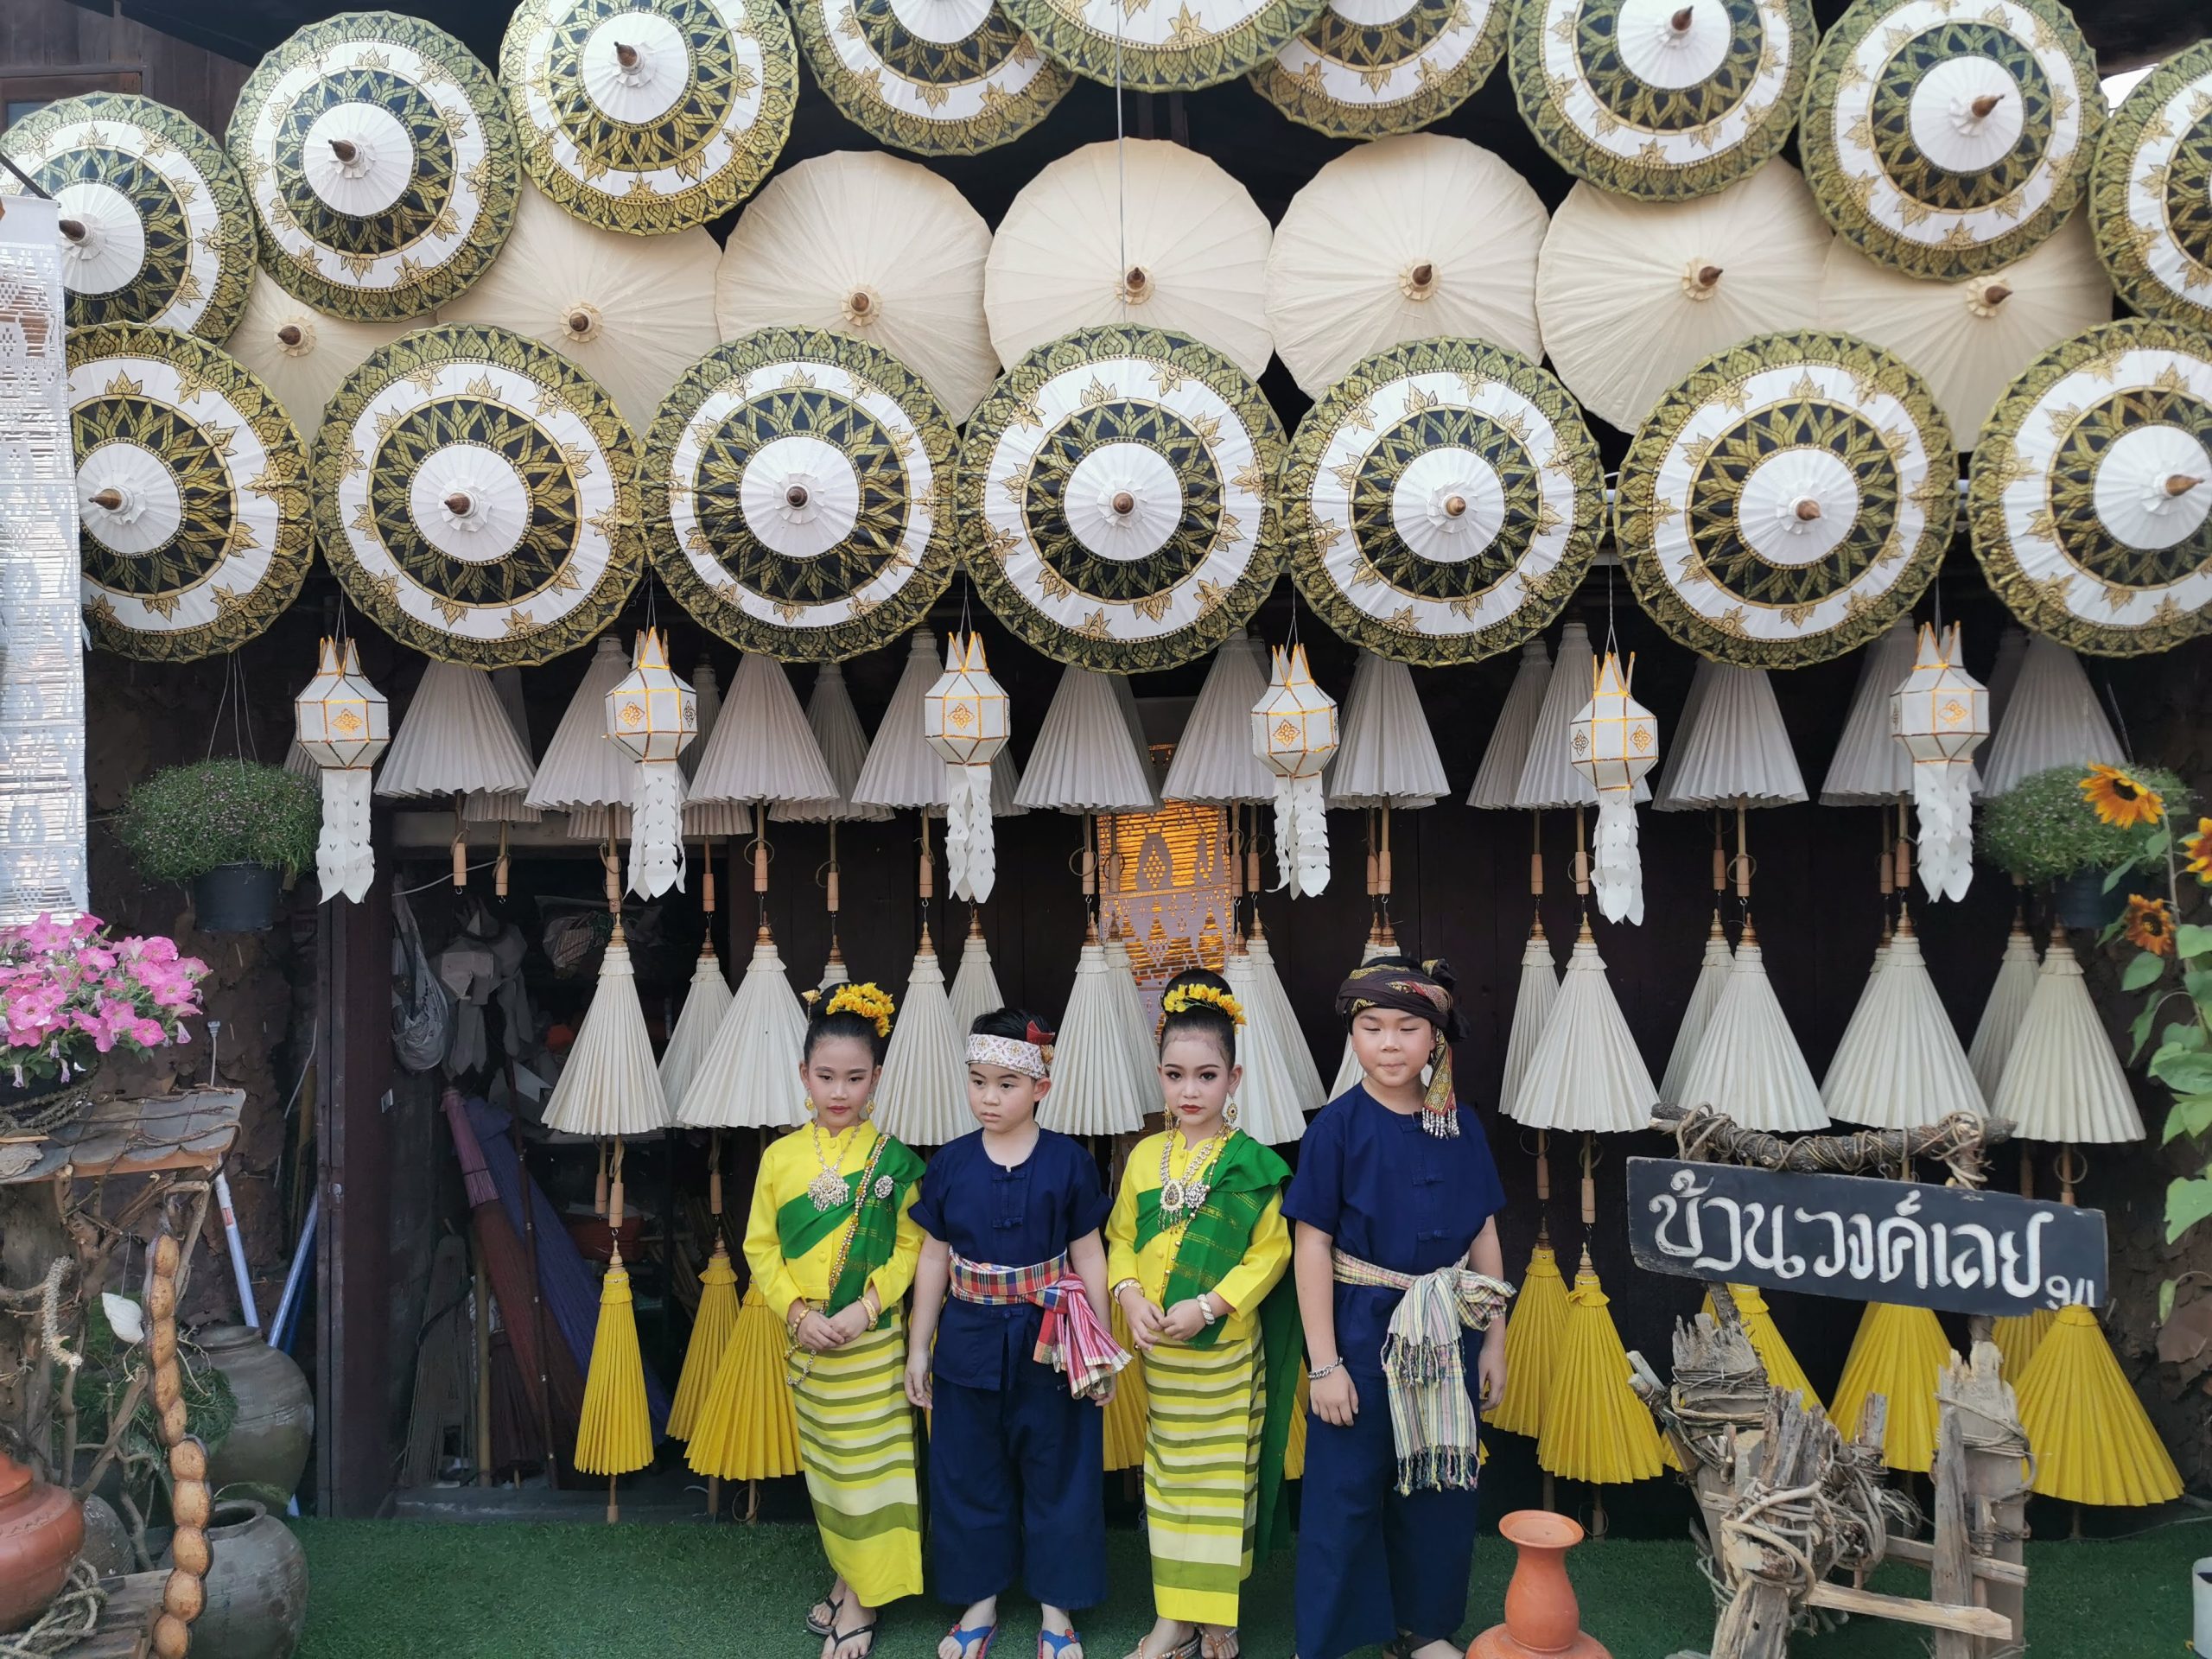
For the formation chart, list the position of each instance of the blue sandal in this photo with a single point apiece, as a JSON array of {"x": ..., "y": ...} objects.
[
  {"x": 1060, "y": 1644},
  {"x": 986, "y": 1634}
]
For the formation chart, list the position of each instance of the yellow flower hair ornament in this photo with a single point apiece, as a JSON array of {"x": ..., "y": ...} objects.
[
  {"x": 871, "y": 1002},
  {"x": 1184, "y": 998}
]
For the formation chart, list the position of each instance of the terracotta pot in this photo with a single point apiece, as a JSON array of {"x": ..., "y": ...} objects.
[
  {"x": 1542, "y": 1620},
  {"x": 268, "y": 1444},
  {"x": 256, "y": 1587},
  {"x": 41, "y": 1530}
]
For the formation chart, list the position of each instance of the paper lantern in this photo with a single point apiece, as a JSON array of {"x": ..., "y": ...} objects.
[
  {"x": 343, "y": 723},
  {"x": 1613, "y": 742},
  {"x": 1941, "y": 713},
  {"x": 653, "y": 714},
  {"x": 967, "y": 718},
  {"x": 1295, "y": 731}
]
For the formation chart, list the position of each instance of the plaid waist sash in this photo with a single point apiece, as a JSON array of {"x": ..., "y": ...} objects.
[
  {"x": 1072, "y": 1339},
  {"x": 1433, "y": 1424}
]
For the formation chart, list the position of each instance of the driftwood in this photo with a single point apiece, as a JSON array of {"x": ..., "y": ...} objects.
[{"x": 1961, "y": 1142}]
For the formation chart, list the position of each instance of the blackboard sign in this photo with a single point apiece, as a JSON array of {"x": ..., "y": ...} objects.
[{"x": 1865, "y": 1240}]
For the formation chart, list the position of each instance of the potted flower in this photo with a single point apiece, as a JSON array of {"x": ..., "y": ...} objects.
[
  {"x": 2078, "y": 830},
  {"x": 233, "y": 830},
  {"x": 70, "y": 992}
]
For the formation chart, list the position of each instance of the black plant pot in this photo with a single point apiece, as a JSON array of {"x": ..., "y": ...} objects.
[
  {"x": 2081, "y": 900},
  {"x": 235, "y": 898}
]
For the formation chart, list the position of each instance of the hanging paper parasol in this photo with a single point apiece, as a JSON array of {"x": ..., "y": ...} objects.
[
  {"x": 802, "y": 506},
  {"x": 1972, "y": 337},
  {"x": 476, "y": 494},
  {"x": 1870, "y": 767},
  {"x": 1146, "y": 50},
  {"x": 1094, "y": 1088},
  {"x": 1399, "y": 241},
  {"x": 1900, "y": 1065},
  {"x": 1633, "y": 294},
  {"x": 155, "y": 227},
  {"x": 610, "y": 1085},
  {"x": 2149, "y": 203},
  {"x": 192, "y": 494},
  {"x": 381, "y": 165},
  {"x": 1141, "y": 232},
  {"x": 1115, "y": 498},
  {"x": 704, "y": 1005},
  {"x": 2009, "y": 994},
  {"x": 1361, "y": 70},
  {"x": 1532, "y": 1338},
  {"x": 1533, "y": 997},
  {"x": 580, "y": 769},
  {"x": 2052, "y": 718},
  {"x": 1747, "y": 1062},
  {"x": 762, "y": 748},
  {"x": 1282, "y": 1086},
  {"x": 922, "y": 1096},
  {"x": 975, "y": 988},
  {"x": 1585, "y": 1073},
  {"x": 837, "y": 728},
  {"x": 2093, "y": 1442},
  {"x": 1548, "y": 776},
  {"x": 649, "y": 116},
  {"x": 1592, "y": 1425},
  {"x": 1733, "y": 749},
  {"x": 299, "y": 351},
  {"x": 748, "y": 1078},
  {"x": 1658, "y": 99},
  {"x": 941, "y": 80},
  {"x": 1787, "y": 500},
  {"x": 1213, "y": 764},
  {"x": 900, "y": 769},
  {"x": 1499, "y": 773},
  {"x": 1944, "y": 142},
  {"x": 2061, "y": 1081},
  {"x": 2092, "y": 489},
  {"x": 1386, "y": 755},
  {"x": 454, "y": 737},
  {"x": 1713, "y": 970},
  {"x": 1898, "y": 1353},
  {"x": 865, "y": 245},
  {"x": 1442, "y": 502}
]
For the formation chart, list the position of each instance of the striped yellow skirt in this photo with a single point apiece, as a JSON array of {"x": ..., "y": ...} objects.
[
  {"x": 1201, "y": 1475},
  {"x": 856, "y": 1440}
]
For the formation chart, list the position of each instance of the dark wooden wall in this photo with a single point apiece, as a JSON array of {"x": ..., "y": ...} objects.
[{"x": 42, "y": 39}]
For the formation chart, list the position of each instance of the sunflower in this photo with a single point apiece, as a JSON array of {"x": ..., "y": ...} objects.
[
  {"x": 2119, "y": 799},
  {"x": 2198, "y": 848},
  {"x": 2148, "y": 924}
]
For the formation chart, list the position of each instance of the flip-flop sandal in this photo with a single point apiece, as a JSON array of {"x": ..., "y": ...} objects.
[
  {"x": 986, "y": 1634},
  {"x": 841, "y": 1638},
  {"x": 1187, "y": 1649},
  {"x": 816, "y": 1625},
  {"x": 1227, "y": 1645},
  {"x": 1060, "y": 1644}
]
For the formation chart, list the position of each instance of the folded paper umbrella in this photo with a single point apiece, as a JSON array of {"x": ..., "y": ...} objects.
[
  {"x": 1499, "y": 776},
  {"x": 2052, "y": 718},
  {"x": 1613, "y": 741},
  {"x": 455, "y": 738},
  {"x": 762, "y": 748},
  {"x": 1549, "y": 775},
  {"x": 1712, "y": 971},
  {"x": 2011, "y": 653},
  {"x": 1941, "y": 715},
  {"x": 706, "y": 1004},
  {"x": 1281, "y": 1084},
  {"x": 710, "y": 1334},
  {"x": 1733, "y": 749},
  {"x": 1783, "y": 1370},
  {"x": 1900, "y": 1066},
  {"x": 615, "y": 1434},
  {"x": 2150, "y": 231},
  {"x": 1533, "y": 1330},
  {"x": 837, "y": 728},
  {"x": 1085, "y": 760},
  {"x": 1203, "y": 45},
  {"x": 1748, "y": 1065},
  {"x": 343, "y": 724},
  {"x": 1533, "y": 998},
  {"x": 708, "y": 821},
  {"x": 1213, "y": 764},
  {"x": 1586, "y": 1074},
  {"x": 1593, "y": 1429},
  {"x": 1870, "y": 766},
  {"x": 746, "y": 1429},
  {"x": 1294, "y": 730},
  {"x": 2061, "y": 1081},
  {"x": 2093, "y": 1441},
  {"x": 508, "y": 806},
  {"x": 1347, "y": 77},
  {"x": 900, "y": 768},
  {"x": 972, "y": 81},
  {"x": 922, "y": 1096},
  {"x": 582, "y": 769},
  {"x": 1140, "y": 1050},
  {"x": 748, "y": 1078},
  {"x": 2007, "y": 1008},
  {"x": 1092, "y": 1090},
  {"x": 975, "y": 987},
  {"x": 1898, "y": 1353},
  {"x": 610, "y": 1087},
  {"x": 2018, "y": 1336}
]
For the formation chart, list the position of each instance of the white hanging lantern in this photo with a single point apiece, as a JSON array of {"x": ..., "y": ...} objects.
[
  {"x": 1613, "y": 742},
  {"x": 1295, "y": 731},
  {"x": 343, "y": 723},
  {"x": 1941, "y": 713},
  {"x": 653, "y": 715},
  {"x": 965, "y": 716}
]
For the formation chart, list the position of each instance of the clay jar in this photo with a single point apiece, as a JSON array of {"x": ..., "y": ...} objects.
[
  {"x": 1542, "y": 1620},
  {"x": 256, "y": 1587},
  {"x": 268, "y": 1444},
  {"x": 42, "y": 1528}
]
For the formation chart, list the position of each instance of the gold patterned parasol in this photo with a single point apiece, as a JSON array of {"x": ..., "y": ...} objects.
[
  {"x": 1116, "y": 498},
  {"x": 1948, "y": 141},
  {"x": 1660, "y": 99},
  {"x": 1442, "y": 501},
  {"x": 154, "y": 221},
  {"x": 2151, "y": 196},
  {"x": 649, "y": 116},
  {"x": 380, "y": 163},
  {"x": 1149, "y": 47},
  {"x": 476, "y": 494},
  {"x": 937, "y": 77},
  {"x": 191, "y": 493},
  {"x": 1787, "y": 501},
  {"x": 1367, "y": 69},
  {"x": 800, "y": 493},
  {"x": 2092, "y": 489}
]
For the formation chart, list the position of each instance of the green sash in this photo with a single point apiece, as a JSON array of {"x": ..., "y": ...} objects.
[{"x": 800, "y": 1227}]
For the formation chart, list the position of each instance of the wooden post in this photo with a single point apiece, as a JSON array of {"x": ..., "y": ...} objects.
[{"x": 483, "y": 1373}]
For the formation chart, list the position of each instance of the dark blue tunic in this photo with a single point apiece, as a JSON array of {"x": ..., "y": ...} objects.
[
  {"x": 1017, "y": 1467},
  {"x": 1370, "y": 1562}
]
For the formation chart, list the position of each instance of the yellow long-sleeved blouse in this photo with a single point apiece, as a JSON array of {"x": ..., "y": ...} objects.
[
  {"x": 787, "y": 1168},
  {"x": 1267, "y": 1257}
]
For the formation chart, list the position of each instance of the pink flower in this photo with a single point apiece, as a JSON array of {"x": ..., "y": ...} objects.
[{"x": 148, "y": 1034}]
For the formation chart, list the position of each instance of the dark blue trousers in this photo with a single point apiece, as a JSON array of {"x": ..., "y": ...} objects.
[
  {"x": 1371, "y": 1563},
  {"x": 1017, "y": 1492}
]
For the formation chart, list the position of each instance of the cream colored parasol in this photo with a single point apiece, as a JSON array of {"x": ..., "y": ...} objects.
[
  {"x": 938, "y": 76},
  {"x": 302, "y": 353},
  {"x": 155, "y": 225},
  {"x": 1900, "y": 1065},
  {"x": 1747, "y": 1062},
  {"x": 1969, "y": 339},
  {"x": 1404, "y": 239},
  {"x": 650, "y": 116},
  {"x": 1633, "y": 294},
  {"x": 865, "y": 245},
  {"x": 1364, "y": 68},
  {"x": 2092, "y": 490},
  {"x": 1657, "y": 99},
  {"x": 1442, "y": 502},
  {"x": 1146, "y": 48},
  {"x": 381, "y": 165},
  {"x": 800, "y": 493},
  {"x": 2150, "y": 198},
  {"x": 2053, "y": 718},
  {"x": 1788, "y": 501},
  {"x": 1948, "y": 141},
  {"x": 1116, "y": 498},
  {"x": 1143, "y": 232}
]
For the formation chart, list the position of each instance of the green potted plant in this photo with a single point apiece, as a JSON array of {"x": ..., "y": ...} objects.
[
  {"x": 234, "y": 831},
  {"x": 2074, "y": 827}
]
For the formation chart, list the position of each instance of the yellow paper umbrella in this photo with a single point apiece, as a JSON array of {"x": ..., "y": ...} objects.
[
  {"x": 942, "y": 79},
  {"x": 1362, "y": 70},
  {"x": 1898, "y": 1353},
  {"x": 2092, "y": 1439},
  {"x": 615, "y": 1433},
  {"x": 1594, "y": 1427},
  {"x": 2149, "y": 202},
  {"x": 746, "y": 1429},
  {"x": 710, "y": 1334},
  {"x": 2018, "y": 1336},
  {"x": 1533, "y": 1330},
  {"x": 1783, "y": 1370},
  {"x": 1126, "y": 1411}
]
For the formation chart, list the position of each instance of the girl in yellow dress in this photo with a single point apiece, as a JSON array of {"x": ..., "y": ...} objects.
[
  {"x": 832, "y": 1248},
  {"x": 1195, "y": 1245}
]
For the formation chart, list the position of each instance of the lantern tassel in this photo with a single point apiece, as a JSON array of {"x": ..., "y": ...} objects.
[
  {"x": 970, "y": 856},
  {"x": 1617, "y": 869},
  {"x": 657, "y": 829},
  {"x": 1301, "y": 836},
  {"x": 344, "y": 860},
  {"x": 1943, "y": 796}
]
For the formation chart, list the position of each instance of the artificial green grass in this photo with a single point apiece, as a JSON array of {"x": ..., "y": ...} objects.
[{"x": 419, "y": 1589}]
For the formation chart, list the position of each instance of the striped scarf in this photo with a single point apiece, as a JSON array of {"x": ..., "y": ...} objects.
[
  {"x": 1433, "y": 1422},
  {"x": 1071, "y": 1340}
]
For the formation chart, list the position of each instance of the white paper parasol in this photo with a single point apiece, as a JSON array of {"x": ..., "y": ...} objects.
[
  {"x": 1367, "y": 68},
  {"x": 2063, "y": 1081},
  {"x": 454, "y": 737},
  {"x": 748, "y": 1078},
  {"x": 1281, "y": 1084},
  {"x": 762, "y": 748},
  {"x": 1748, "y": 1064},
  {"x": 922, "y": 1097},
  {"x": 1586, "y": 1074},
  {"x": 301, "y": 353},
  {"x": 938, "y": 76},
  {"x": 2148, "y": 201},
  {"x": 1085, "y": 759},
  {"x": 1386, "y": 755},
  {"x": 1901, "y": 1066},
  {"x": 581, "y": 767},
  {"x": 1713, "y": 970},
  {"x": 1534, "y": 995},
  {"x": 837, "y": 728},
  {"x": 1870, "y": 767},
  {"x": 1499, "y": 774},
  {"x": 1092, "y": 1090},
  {"x": 1549, "y": 777},
  {"x": 609, "y": 1085},
  {"x": 900, "y": 769},
  {"x": 2052, "y": 718},
  {"x": 1733, "y": 749},
  {"x": 706, "y": 1004},
  {"x": 975, "y": 988},
  {"x": 1213, "y": 764},
  {"x": 2002, "y": 1015}
]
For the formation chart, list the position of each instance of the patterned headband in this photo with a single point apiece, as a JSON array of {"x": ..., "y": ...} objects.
[{"x": 1031, "y": 1059}]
